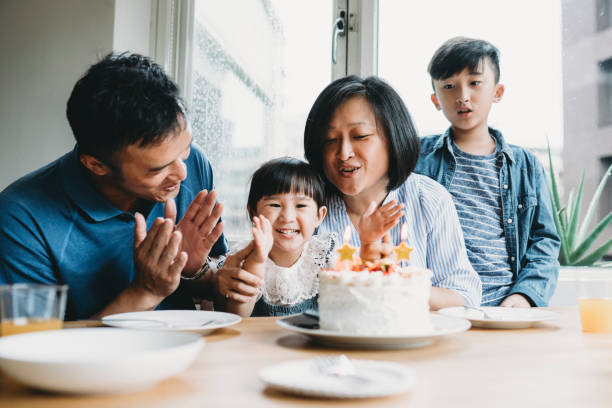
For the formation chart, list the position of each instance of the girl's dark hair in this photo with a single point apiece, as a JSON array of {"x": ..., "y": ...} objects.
[
  {"x": 391, "y": 115},
  {"x": 121, "y": 100},
  {"x": 459, "y": 53},
  {"x": 285, "y": 175}
]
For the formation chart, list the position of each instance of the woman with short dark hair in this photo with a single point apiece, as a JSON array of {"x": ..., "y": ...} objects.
[{"x": 359, "y": 136}]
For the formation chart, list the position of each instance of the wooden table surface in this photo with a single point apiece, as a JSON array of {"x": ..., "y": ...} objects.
[{"x": 551, "y": 365}]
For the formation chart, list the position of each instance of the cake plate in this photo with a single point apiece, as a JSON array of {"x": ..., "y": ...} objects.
[{"x": 308, "y": 326}]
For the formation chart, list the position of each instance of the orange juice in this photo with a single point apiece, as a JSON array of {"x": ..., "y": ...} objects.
[
  {"x": 596, "y": 314},
  {"x": 17, "y": 326}
]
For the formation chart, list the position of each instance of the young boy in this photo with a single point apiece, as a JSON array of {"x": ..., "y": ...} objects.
[{"x": 500, "y": 190}]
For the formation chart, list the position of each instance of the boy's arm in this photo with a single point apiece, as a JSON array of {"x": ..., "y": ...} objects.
[{"x": 539, "y": 267}]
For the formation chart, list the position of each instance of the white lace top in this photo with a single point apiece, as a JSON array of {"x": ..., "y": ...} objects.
[{"x": 292, "y": 285}]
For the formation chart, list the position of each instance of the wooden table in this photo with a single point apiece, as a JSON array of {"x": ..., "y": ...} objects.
[{"x": 552, "y": 365}]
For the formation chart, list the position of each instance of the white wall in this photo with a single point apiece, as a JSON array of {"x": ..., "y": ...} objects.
[
  {"x": 132, "y": 26},
  {"x": 46, "y": 46}
]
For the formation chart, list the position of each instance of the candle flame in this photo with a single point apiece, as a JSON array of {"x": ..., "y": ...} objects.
[
  {"x": 347, "y": 234},
  {"x": 404, "y": 231}
]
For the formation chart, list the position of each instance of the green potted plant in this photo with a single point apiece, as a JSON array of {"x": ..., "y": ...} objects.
[
  {"x": 579, "y": 261},
  {"x": 576, "y": 240}
]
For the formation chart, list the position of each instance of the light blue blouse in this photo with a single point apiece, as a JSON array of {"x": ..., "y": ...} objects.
[{"x": 434, "y": 233}]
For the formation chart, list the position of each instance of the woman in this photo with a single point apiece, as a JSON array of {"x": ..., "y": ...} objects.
[{"x": 360, "y": 137}]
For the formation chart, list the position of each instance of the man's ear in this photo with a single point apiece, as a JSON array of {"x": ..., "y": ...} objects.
[
  {"x": 94, "y": 165},
  {"x": 499, "y": 92},
  {"x": 435, "y": 101}
]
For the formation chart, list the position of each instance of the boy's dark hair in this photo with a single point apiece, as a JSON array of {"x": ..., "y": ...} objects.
[
  {"x": 391, "y": 115},
  {"x": 459, "y": 53},
  {"x": 285, "y": 175},
  {"x": 121, "y": 100}
]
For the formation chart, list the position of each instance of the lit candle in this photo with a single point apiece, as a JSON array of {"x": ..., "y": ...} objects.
[
  {"x": 347, "y": 251},
  {"x": 402, "y": 251}
]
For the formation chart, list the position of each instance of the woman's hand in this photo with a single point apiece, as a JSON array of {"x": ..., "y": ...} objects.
[
  {"x": 377, "y": 250},
  {"x": 375, "y": 222}
]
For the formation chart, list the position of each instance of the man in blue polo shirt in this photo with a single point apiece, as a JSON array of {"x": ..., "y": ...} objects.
[{"x": 101, "y": 219}]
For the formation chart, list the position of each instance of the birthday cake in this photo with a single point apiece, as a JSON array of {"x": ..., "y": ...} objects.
[{"x": 374, "y": 298}]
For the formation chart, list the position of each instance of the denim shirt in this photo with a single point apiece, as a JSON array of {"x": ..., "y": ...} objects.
[{"x": 531, "y": 237}]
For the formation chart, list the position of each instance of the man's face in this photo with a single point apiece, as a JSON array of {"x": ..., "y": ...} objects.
[
  {"x": 465, "y": 98},
  {"x": 153, "y": 172}
]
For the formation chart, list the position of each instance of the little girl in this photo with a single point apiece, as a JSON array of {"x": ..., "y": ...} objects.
[{"x": 286, "y": 206}]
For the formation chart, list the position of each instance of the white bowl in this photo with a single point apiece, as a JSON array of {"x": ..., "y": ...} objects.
[{"x": 97, "y": 360}]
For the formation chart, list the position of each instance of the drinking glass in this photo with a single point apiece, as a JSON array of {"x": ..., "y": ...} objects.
[
  {"x": 595, "y": 303},
  {"x": 27, "y": 307}
]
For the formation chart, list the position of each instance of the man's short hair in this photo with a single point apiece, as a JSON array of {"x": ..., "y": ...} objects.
[
  {"x": 459, "y": 53},
  {"x": 391, "y": 115},
  {"x": 121, "y": 100}
]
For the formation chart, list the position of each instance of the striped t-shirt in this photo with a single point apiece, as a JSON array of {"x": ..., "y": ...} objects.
[
  {"x": 475, "y": 188},
  {"x": 434, "y": 233}
]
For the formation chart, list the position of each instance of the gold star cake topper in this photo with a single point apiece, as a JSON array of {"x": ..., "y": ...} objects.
[
  {"x": 346, "y": 252},
  {"x": 403, "y": 251}
]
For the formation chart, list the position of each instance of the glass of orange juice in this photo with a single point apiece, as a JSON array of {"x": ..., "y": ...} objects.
[
  {"x": 595, "y": 303},
  {"x": 27, "y": 307}
]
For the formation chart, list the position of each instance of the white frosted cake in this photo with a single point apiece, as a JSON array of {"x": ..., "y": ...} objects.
[{"x": 387, "y": 301}]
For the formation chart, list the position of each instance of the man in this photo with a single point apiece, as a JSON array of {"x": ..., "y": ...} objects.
[{"x": 82, "y": 220}]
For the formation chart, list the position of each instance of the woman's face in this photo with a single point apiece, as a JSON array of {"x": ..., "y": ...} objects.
[{"x": 355, "y": 156}]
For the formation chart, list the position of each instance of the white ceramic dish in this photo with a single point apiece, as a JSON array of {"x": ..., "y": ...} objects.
[
  {"x": 500, "y": 317},
  {"x": 196, "y": 321},
  {"x": 97, "y": 360},
  {"x": 375, "y": 379},
  {"x": 306, "y": 325}
]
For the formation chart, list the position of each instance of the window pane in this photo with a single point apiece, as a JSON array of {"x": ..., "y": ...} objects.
[
  {"x": 528, "y": 35},
  {"x": 257, "y": 68}
]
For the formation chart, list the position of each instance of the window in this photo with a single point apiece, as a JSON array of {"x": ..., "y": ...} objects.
[
  {"x": 604, "y": 16},
  {"x": 257, "y": 67},
  {"x": 604, "y": 92},
  {"x": 530, "y": 61}
]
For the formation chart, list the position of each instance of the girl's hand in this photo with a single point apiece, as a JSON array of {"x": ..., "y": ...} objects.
[
  {"x": 262, "y": 239},
  {"x": 375, "y": 222}
]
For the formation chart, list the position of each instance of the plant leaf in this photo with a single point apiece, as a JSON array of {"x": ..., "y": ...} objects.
[
  {"x": 595, "y": 255},
  {"x": 553, "y": 182},
  {"x": 563, "y": 255},
  {"x": 556, "y": 204},
  {"x": 586, "y": 244},
  {"x": 593, "y": 204},
  {"x": 575, "y": 216}
]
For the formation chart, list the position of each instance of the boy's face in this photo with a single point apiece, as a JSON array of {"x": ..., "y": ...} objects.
[{"x": 465, "y": 98}]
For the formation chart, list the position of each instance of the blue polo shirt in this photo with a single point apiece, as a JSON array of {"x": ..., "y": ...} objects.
[{"x": 55, "y": 228}]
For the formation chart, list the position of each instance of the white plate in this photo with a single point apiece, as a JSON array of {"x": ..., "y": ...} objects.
[
  {"x": 443, "y": 326},
  {"x": 196, "y": 321},
  {"x": 375, "y": 379},
  {"x": 501, "y": 317},
  {"x": 97, "y": 360}
]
